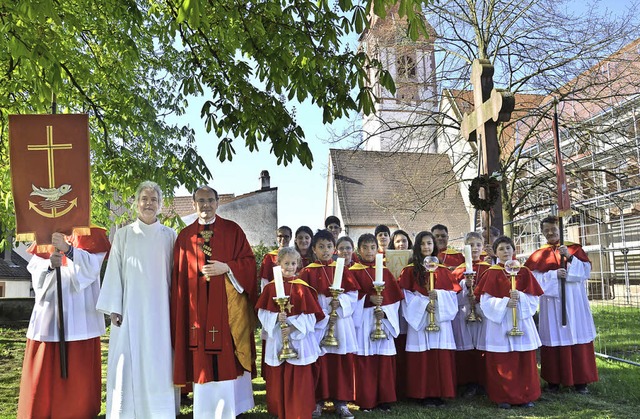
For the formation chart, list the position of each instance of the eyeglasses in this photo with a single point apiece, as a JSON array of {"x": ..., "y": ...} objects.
[{"x": 280, "y": 236}]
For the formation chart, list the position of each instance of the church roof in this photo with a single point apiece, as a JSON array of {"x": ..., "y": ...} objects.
[
  {"x": 412, "y": 190},
  {"x": 16, "y": 269}
]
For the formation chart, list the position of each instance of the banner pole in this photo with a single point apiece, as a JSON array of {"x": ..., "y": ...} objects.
[{"x": 62, "y": 342}]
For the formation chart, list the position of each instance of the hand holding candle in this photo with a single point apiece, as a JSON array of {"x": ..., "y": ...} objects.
[
  {"x": 277, "y": 277},
  {"x": 468, "y": 260},
  {"x": 379, "y": 267},
  {"x": 337, "y": 276}
]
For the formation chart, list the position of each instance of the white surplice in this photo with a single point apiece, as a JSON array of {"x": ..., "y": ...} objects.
[
  {"x": 414, "y": 309},
  {"x": 136, "y": 285},
  {"x": 580, "y": 328},
  {"x": 80, "y": 280}
]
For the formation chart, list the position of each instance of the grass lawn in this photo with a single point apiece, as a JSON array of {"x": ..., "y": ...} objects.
[{"x": 616, "y": 395}]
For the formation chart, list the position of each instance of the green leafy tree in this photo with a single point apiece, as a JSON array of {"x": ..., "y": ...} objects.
[{"x": 132, "y": 64}]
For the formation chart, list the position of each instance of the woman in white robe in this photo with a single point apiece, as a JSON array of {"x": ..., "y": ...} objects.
[{"x": 135, "y": 293}]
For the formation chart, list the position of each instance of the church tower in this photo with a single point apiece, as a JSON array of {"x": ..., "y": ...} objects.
[{"x": 404, "y": 121}]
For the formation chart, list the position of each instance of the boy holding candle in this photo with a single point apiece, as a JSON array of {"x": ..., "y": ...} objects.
[
  {"x": 469, "y": 361},
  {"x": 375, "y": 361},
  {"x": 291, "y": 382},
  {"x": 430, "y": 354},
  {"x": 511, "y": 368},
  {"x": 336, "y": 365}
]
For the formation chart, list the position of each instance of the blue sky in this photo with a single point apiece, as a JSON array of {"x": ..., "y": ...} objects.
[{"x": 301, "y": 192}]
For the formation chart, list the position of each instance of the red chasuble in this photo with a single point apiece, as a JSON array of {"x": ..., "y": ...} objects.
[
  {"x": 211, "y": 323},
  {"x": 478, "y": 267},
  {"x": 443, "y": 280},
  {"x": 365, "y": 274},
  {"x": 547, "y": 258},
  {"x": 302, "y": 297},
  {"x": 266, "y": 267},
  {"x": 451, "y": 258},
  {"x": 319, "y": 275},
  {"x": 497, "y": 282}
]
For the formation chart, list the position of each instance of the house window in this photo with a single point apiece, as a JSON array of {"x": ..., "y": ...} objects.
[{"x": 2, "y": 289}]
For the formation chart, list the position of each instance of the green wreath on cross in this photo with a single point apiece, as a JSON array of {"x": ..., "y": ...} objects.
[{"x": 491, "y": 186}]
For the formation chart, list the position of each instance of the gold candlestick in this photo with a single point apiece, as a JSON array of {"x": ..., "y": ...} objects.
[
  {"x": 287, "y": 351},
  {"x": 513, "y": 267},
  {"x": 330, "y": 339},
  {"x": 431, "y": 264},
  {"x": 378, "y": 333},
  {"x": 470, "y": 277}
]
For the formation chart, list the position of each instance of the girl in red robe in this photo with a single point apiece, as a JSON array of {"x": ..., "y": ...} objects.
[{"x": 290, "y": 383}]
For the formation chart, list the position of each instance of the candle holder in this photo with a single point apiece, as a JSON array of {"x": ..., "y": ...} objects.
[
  {"x": 473, "y": 316},
  {"x": 513, "y": 267},
  {"x": 378, "y": 333},
  {"x": 330, "y": 338},
  {"x": 287, "y": 351},
  {"x": 431, "y": 264}
]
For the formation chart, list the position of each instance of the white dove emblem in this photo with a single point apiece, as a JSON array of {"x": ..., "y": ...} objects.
[{"x": 51, "y": 194}]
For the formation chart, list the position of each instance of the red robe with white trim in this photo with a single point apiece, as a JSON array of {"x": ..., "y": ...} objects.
[
  {"x": 567, "y": 355},
  {"x": 336, "y": 379},
  {"x": 511, "y": 375}
]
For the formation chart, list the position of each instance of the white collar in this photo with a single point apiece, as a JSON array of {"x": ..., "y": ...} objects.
[{"x": 213, "y": 220}]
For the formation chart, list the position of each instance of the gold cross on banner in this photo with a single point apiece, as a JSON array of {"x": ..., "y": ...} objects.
[
  {"x": 49, "y": 147},
  {"x": 213, "y": 331}
]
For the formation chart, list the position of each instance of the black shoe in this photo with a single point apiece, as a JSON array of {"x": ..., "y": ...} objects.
[
  {"x": 384, "y": 407},
  {"x": 470, "y": 391},
  {"x": 504, "y": 406},
  {"x": 552, "y": 388},
  {"x": 581, "y": 389}
]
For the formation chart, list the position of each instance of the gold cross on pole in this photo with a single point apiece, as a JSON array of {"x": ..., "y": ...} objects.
[
  {"x": 213, "y": 331},
  {"x": 49, "y": 147}
]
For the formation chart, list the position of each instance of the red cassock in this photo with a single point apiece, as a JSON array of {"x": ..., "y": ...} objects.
[
  {"x": 212, "y": 324},
  {"x": 375, "y": 374},
  {"x": 470, "y": 364},
  {"x": 572, "y": 364},
  {"x": 335, "y": 372},
  {"x": 510, "y": 377},
  {"x": 430, "y": 373},
  {"x": 291, "y": 388}
]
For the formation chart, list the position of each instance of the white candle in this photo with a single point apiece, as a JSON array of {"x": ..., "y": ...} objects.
[
  {"x": 468, "y": 260},
  {"x": 277, "y": 277},
  {"x": 379, "y": 267},
  {"x": 337, "y": 276}
]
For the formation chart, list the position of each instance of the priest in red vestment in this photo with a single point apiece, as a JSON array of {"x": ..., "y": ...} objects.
[{"x": 213, "y": 290}]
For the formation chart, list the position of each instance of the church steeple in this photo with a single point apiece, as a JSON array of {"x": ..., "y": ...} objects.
[{"x": 403, "y": 121}]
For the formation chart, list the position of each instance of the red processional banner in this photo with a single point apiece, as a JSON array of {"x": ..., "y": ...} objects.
[
  {"x": 564, "y": 201},
  {"x": 50, "y": 181}
]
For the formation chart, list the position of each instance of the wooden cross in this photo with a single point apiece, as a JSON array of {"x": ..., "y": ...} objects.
[
  {"x": 491, "y": 106},
  {"x": 213, "y": 331}
]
